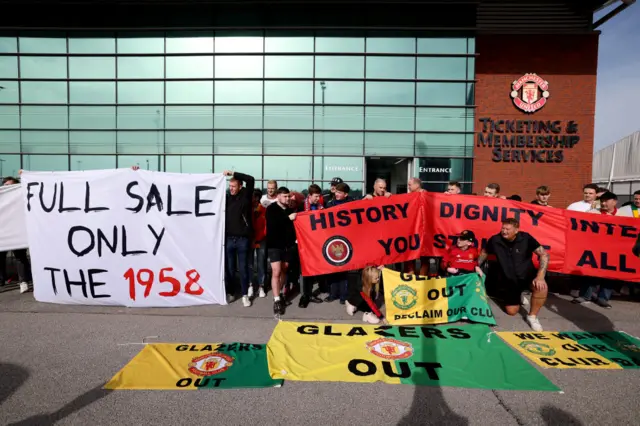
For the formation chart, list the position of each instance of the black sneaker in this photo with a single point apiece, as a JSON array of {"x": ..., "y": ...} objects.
[
  {"x": 283, "y": 306},
  {"x": 329, "y": 299},
  {"x": 314, "y": 299},
  {"x": 278, "y": 306},
  {"x": 304, "y": 302},
  {"x": 603, "y": 304}
]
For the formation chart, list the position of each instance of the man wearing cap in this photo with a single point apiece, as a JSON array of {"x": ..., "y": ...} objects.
[
  {"x": 462, "y": 258},
  {"x": 331, "y": 195}
]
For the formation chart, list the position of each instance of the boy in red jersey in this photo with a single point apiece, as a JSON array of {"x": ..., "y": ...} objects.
[{"x": 462, "y": 258}]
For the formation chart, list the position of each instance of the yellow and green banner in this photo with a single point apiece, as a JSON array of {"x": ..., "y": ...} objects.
[
  {"x": 192, "y": 366},
  {"x": 611, "y": 350},
  {"x": 412, "y": 299},
  {"x": 463, "y": 356}
]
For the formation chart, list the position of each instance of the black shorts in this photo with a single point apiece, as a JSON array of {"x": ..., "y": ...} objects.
[
  {"x": 280, "y": 255},
  {"x": 510, "y": 292}
]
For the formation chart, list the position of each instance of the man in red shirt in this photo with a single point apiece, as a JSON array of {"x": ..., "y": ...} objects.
[{"x": 463, "y": 257}]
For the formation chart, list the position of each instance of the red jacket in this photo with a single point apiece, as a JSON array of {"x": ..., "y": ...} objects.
[
  {"x": 259, "y": 223},
  {"x": 466, "y": 260}
]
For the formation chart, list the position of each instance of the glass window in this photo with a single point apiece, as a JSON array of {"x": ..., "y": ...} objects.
[
  {"x": 9, "y": 142},
  {"x": 140, "y": 43},
  {"x": 92, "y": 117},
  {"x": 227, "y": 43},
  {"x": 92, "y": 68},
  {"x": 389, "y": 67},
  {"x": 146, "y": 162},
  {"x": 94, "y": 92},
  {"x": 192, "y": 142},
  {"x": 8, "y": 66},
  {"x": 189, "y": 92},
  {"x": 141, "y": 117},
  {"x": 340, "y": 44},
  {"x": 388, "y": 143},
  {"x": 471, "y": 68},
  {"x": 273, "y": 43},
  {"x": 237, "y": 142},
  {"x": 391, "y": 45},
  {"x": 339, "y": 118},
  {"x": 140, "y": 142},
  {"x": 8, "y": 45},
  {"x": 288, "y": 92},
  {"x": 298, "y": 143},
  {"x": 348, "y": 168},
  {"x": 287, "y": 168},
  {"x": 43, "y": 45},
  {"x": 471, "y": 45},
  {"x": 136, "y": 67},
  {"x": 189, "y": 163},
  {"x": 9, "y": 117},
  {"x": 190, "y": 67},
  {"x": 92, "y": 142},
  {"x": 93, "y": 162},
  {"x": 43, "y": 67},
  {"x": 389, "y": 118},
  {"x": 44, "y": 117},
  {"x": 339, "y": 67},
  {"x": 93, "y": 43},
  {"x": 442, "y": 45},
  {"x": 442, "y": 144},
  {"x": 45, "y": 142},
  {"x": 190, "y": 42},
  {"x": 442, "y": 119},
  {"x": 141, "y": 92},
  {"x": 189, "y": 117},
  {"x": 301, "y": 186},
  {"x": 237, "y": 117},
  {"x": 46, "y": 163},
  {"x": 9, "y": 94},
  {"x": 340, "y": 92},
  {"x": 38, "y": 92},
  {"x": 238, "y": 92},
  {"x": 432, "y": 68},
  {"x": 338, "y": 143},
  {"x": 442, "y": 94},
  {"x": 288, "y": 67},
  {"x": 238, "y": 66},
  {"x": 9, "y": 164},
  {"x": 288, "y": 117},
  {"x": 390, "y": 93},
  {"x": 251, "y": 165}
]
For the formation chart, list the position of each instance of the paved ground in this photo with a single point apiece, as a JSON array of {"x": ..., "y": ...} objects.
[{"x": 55, "y": 359}]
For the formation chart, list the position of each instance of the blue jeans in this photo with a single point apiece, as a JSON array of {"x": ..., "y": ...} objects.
[
  {"x": 237, "y": 246},
  {"x": 586, "y": 291},
  {"x": 339, "y": 282},
  {"x": 259, "y": 257}
]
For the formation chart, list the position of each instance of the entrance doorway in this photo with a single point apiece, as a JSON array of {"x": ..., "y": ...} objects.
[{"x": 394, "y": 170}]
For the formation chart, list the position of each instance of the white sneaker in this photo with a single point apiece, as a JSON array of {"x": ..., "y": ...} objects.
[
  {"x": 250, "y": 292},
  {"x": 370, "y": 318},
  {"x": 350, "y": 308},
  {"x": 24, "y": 287},
  {"x": 246, "y": 302},
  {"x": 534, "y": 323},
  {"x": 524, "y": 299},
  {"x": 261, "y": 292}
]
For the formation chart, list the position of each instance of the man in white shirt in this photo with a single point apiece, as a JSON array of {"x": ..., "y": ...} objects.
[
  {"x": 589, "y": 193},
  {"x": 632, "y": 210},
  {"x": 270, "y": 197}
]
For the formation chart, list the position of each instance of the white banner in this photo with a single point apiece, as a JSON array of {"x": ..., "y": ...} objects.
[
  {"x": 13, "y": 231},
  {"x": 125, "y": 237}
]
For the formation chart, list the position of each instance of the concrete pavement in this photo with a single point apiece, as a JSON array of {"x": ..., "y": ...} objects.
[{"x": 54, "y": 360}]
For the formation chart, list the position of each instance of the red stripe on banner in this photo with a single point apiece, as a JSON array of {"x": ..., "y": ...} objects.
[{"x": 403, "y": 227}]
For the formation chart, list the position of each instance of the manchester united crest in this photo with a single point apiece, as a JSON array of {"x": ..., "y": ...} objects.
[
  {"x": 530, "y": 92},
  {"x": 210, "y": 364},
  {"x": 390, "y": 348},
  {"x": 337, "y": 250}
]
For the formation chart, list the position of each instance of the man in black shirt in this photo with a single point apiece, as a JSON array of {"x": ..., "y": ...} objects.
[
  {"x": 239, "y": 231},
  {"x": 513, "y": 250},
  {"x": 281, "y": 241}
]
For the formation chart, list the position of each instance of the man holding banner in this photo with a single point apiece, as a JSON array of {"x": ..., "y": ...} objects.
[{"x": 513, "y": 250}]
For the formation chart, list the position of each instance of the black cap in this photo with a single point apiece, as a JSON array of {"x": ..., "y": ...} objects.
[
  {"x": 608, "y": 196},
  {"x": 467, "y": 236},
  {"x": 335, "y": 181}
]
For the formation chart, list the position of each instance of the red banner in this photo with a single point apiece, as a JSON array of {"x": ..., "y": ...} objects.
[{"x": 403, "y": 227}]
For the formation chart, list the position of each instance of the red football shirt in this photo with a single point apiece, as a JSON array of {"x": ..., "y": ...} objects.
[{"x": 466, "y": 260}]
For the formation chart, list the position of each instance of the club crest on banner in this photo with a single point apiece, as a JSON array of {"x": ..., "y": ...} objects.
[
  {"x": 390, "y": 348},
  {"x": 404, "y": 297},
  {"x": 538, "y": 348},
  {"x": 337, "y": 250},
  {"x": 530, "y": 92},
  {"x": 210, "y": 364}
]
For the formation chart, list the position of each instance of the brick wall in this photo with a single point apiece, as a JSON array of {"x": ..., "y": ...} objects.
[{"x": 568, "y": 63}]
